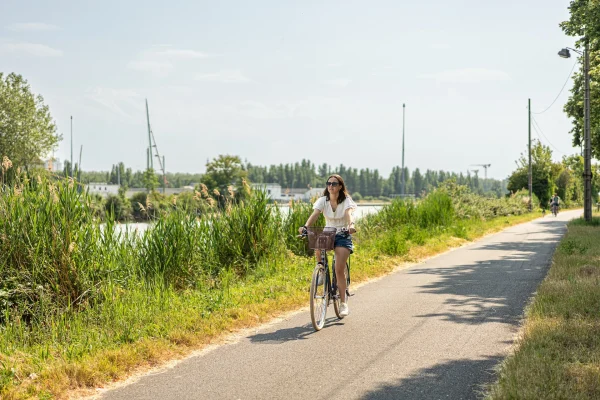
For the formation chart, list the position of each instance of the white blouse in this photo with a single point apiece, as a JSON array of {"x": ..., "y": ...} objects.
[{"x": 335, "y": 219}]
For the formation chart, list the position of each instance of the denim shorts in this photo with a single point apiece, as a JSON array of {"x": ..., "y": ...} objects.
[{"x": 342, "y": 240}]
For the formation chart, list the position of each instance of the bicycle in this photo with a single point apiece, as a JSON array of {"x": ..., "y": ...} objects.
[
  {"x": 323, "y": 287},
  {"x": 555, "y": 209}
]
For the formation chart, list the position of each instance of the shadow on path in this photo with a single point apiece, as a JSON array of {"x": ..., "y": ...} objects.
[
  {"x": 432, "y": 383},
  {"x": 495, "y": 288},
  {"x": 288, "y": 334}
]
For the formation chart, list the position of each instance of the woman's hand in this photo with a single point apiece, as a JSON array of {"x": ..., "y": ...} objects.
[
  {"x": 351, "y": 228},
  {"x": 301, "y": 230}
]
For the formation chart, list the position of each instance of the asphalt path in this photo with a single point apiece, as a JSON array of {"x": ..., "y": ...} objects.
[{"x": 435, "y": 330}]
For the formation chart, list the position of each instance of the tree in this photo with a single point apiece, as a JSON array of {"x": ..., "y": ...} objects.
[
  {"x": 150, "y": 180},
  {"x": 541, "y": 173},
  {"x": 27, "y": 132},
  {"x": 418, "y": 179},
  {"x": 584, "y": 22},
  {"x": 224, "y": 171}
]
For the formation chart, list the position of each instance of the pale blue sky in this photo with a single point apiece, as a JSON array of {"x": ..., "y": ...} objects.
[{"x": 278, "y": 81}]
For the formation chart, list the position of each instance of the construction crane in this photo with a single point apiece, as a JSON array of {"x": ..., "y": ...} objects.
[
  {"x": 485, "y": 167},
  {"x": 152, "y": 145},
  {"x": 476, "y": 171}
]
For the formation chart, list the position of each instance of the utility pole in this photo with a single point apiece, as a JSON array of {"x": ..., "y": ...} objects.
[
  {"x": 587, "y": 173},
  {"x": 71, "y": 146},
  {"x": 530, "y": 173},
  {"x": 403, "y": 119},
  {"x": 164, "y": 176},
  {"x": 79, "y": 165}
]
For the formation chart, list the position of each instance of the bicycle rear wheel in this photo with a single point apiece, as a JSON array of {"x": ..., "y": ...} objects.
[
  {"x": 337, "y": 301},
  {"x": 319, "y": 297}
]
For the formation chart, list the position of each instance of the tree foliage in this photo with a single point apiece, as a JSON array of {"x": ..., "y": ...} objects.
[
  {"x": 564, "y": 178},
  {"x": 27, "y": 132},
  {"x": 224, "y": 174},
  {"x": 150, "y": 180},
  {"x": 541, "y": 172},
  {"x": 584, "y": 23}
]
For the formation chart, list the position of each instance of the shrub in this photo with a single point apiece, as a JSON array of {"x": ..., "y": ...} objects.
[
  {"x": 138, "y": 206},
  {"x": 114, "y": 207},
  {"x": 392, "y": 244}
]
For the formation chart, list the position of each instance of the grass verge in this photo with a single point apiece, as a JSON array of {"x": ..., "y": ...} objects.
[
  {"x": 558, "y": 354},
  {"x": 103, "y": 344}
]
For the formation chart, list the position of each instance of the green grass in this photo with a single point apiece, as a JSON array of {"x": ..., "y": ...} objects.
[
  {"x": 82, "y": 305},
  {"x": 558, "y": 355}
]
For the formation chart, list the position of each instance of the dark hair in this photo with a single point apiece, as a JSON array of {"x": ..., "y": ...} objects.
[{"x": 343, "y": 192}]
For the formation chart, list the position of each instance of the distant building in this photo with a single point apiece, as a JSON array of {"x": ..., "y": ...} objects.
[
  {"x": 273, "y": 189},
  {"x": 316, "y": 192},
  {"x": 103, "y": 189},
  {"x": 276, "y": 193}
]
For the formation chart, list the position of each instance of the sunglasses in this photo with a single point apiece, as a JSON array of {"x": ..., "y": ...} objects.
[{"x": 333, "y": 184}]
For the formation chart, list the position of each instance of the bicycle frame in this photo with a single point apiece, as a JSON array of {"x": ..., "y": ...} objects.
[
  {"x": 322, "y": 298},
  {"x": 331, "y": 280}
]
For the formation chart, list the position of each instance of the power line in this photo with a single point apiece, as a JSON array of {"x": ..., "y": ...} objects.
[
  {"x": 535, "y": 123},
  {"x": 561, "y": 89}
]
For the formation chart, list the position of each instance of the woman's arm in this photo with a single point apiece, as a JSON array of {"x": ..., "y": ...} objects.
[
  {"x": 349, "y": 216},
  {"x": 311, "y": 220}
]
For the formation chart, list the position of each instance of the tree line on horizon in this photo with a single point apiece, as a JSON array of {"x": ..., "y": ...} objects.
[{"x": 300, "y": 175}]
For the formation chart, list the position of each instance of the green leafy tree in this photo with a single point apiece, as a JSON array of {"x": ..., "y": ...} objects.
[
  {"x": 224, "y": 171},
  {"x": 541, "y": 168},
  {"x": 27, "y": 132},
  {"x": 150, "y": 180},
  {"x": 584, "y": 23}
]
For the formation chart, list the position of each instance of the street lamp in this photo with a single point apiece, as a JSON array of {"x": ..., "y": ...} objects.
[{"x": 587, "y": 147}]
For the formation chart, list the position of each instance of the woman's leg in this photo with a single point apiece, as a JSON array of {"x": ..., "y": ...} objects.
[
  {"x": 318, "y": 255},
  {"x": 341, "y": 256}
]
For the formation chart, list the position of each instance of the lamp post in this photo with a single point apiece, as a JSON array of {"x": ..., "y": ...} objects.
[
  {"x": 587, "y": 147},
  {"x": 530, "y": 173}
]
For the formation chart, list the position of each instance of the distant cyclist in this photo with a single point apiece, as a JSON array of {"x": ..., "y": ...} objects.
[
  {"x": 555, "y": 203},
  {"x": 337, "y": 208}
]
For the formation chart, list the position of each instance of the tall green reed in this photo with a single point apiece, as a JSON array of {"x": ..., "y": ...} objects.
[
  {"x": 41, "y": 242},
  {"x": 242, "y": 234},
  {"x": 297, "y": 215},
  {"x": 404, "y": 221},
  {"x": 170, "y": 252},
  {"x": 54, "y": 255}
]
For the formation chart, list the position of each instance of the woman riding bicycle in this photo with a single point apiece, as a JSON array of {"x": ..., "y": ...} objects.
[{"x": 337, "y": 208}]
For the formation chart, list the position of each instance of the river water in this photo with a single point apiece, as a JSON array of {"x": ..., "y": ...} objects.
[{"x": 360, "y": 212}]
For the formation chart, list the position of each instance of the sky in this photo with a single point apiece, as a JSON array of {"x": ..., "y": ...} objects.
[{"x": 280, "y": 81}]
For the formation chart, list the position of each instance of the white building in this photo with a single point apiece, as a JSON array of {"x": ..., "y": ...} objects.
[
  {"x": 273, "y": 189},
  {"x": 103, "y": 189},
  {"x": 276, "y": 193}
]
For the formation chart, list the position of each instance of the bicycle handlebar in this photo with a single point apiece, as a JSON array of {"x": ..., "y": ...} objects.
[{"x": 343, "y": 231}]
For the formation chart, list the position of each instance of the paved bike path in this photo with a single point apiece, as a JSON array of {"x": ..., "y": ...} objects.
[{"x": 435, "y": 330}]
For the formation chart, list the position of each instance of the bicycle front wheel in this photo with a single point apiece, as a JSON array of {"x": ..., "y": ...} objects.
[{"x": 319, "y": 297}]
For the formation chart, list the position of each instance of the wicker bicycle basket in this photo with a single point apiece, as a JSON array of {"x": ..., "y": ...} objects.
[{"x": 321, "y": 238}]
